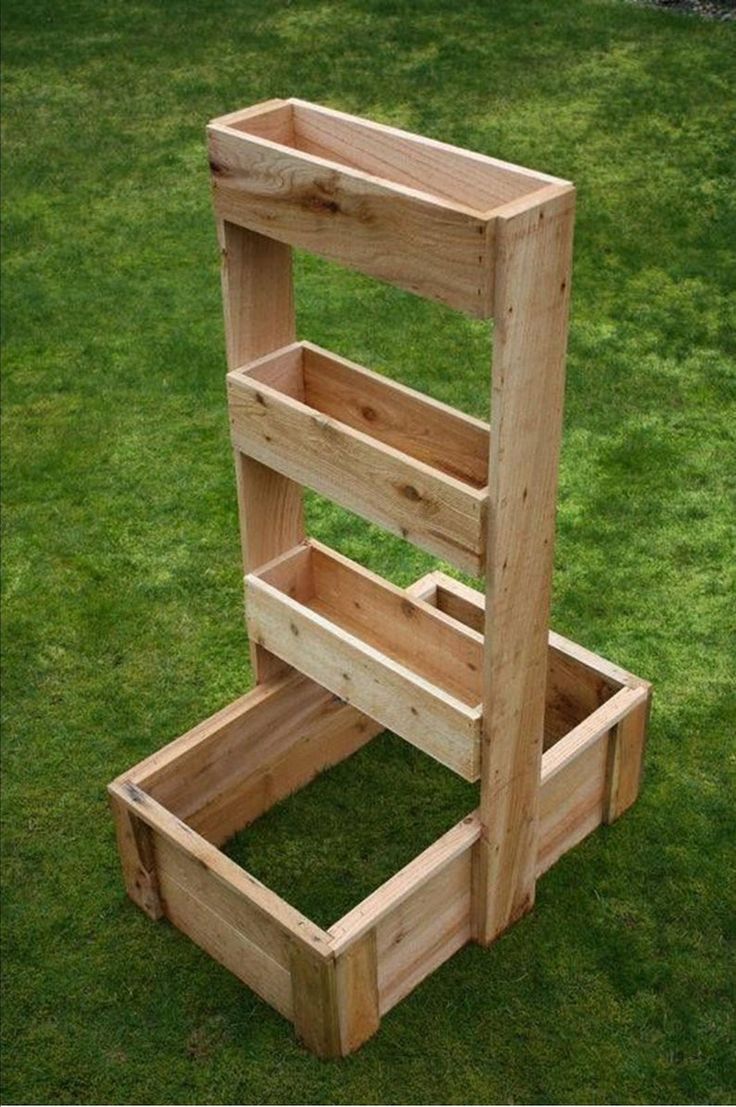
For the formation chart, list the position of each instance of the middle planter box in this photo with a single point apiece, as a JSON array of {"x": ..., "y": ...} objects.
[
  {"x": 394, "y": 657},
  {"x": 394, "y": 456}
]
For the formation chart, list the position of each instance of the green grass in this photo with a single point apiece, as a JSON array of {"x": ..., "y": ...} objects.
[{"x": 122, "y": 599}]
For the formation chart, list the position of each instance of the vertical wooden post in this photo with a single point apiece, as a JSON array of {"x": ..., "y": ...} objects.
[
  {"x": 626, "y": 760},
  {"x": 258, "y": 298},
  {"x": 356, "y": 981},
  {"x": 533, "y": 266},
  {"x": 314, "y": 994},
  {"x": 135, "y": 848}
]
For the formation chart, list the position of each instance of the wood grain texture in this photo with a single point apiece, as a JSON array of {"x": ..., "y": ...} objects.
[
  {"x": 258, "y": 898},
  {"x": 388, "y": 898},
  {"x": 326, "y": 636},
  {"x": 135, "y": 850},
  {"x": 577, "y": 681},
  {"x": 258, "y": 302},
  {"x": 533, "y": 259},
  {"x": 408, "y": 238},
  {"x": 382, "y": 451},
  {"x": 231, "y": 768},
  {"x": 356, "y": 984},
  {"x": 423, "y": 931},
  {"x": 316, "y": 1018}
]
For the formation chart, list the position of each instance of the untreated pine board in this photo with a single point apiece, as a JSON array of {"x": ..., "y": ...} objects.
[
  {"x": 460, "y": 176},
  {"x": 386, "y": 689},
  {"x": 533, "y": 260},
  {"x": 423, "y": 869},
  {"x": 350, "y": 443},
  {"x": 414, "y": 240},
  {"x": 578, "y": 681},
  {"x": 626, "y": 757},
  {"x": 258, "y": 302},
  {"x": 356, "y": 985},
  {"x": 135, "y": 848},
  {"x": 232, "y": 767},
  {"x": 575, "y": 776},
  {"x": 424, "y": 931},
  {"x": 399, "y": 206},
  {"x": 221, "y": 920},
  {"x": 259, "y": 898}
]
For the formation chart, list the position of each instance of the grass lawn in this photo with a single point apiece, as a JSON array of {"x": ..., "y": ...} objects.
[{"x": 123, "y": 623}]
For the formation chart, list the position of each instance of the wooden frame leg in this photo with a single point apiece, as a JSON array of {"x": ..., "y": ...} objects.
[
  {"x": 135, "y": 847},
  {"x": 258, "y": 298},
  {"x": 533, "y": 262},
  {"x": 626, "y": 761}
]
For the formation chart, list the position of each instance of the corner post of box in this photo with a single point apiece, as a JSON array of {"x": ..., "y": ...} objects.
[
  {"x": 135, "y": 849},
  {"x": 335, "y": 996},
  {"x": 533, "y": 251},
  {"x": 258, "y": 302},
  {"x": 625, "y": 762}
]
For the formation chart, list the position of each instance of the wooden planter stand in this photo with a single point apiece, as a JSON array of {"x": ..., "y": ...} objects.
[{"x": 554, "y": 733}]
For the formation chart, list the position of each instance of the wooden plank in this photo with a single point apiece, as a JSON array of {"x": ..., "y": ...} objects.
[
  {"x": 423, "y": 931},
  {"x": 137, "y": 861},
  {"x": 364, "y": 918},
  {"x": 229, "y": 769},
  {"x": 388, "y": 691},
  {"x": 626, "y": 757},
  {"x": 410, "y": 421},
  {"x": 176, "y": 864},
  {"x": 230, "y": 947},
  {"x": 337, "y": 735},
  {"x": 258, "y": 300},
  {"x": 577, "y": 682},
  {"x": 259, "y": 898},
  {"x": 356, "y": 983},
  {"x": 409, "y": 238},
  {"x": 316, "y": 1018},
  {"x": 408, "y": 631},
  {"x": 460, "y": 176},
  {"x": 407, "y": 496},
  {"x": 533, "y": 258}
]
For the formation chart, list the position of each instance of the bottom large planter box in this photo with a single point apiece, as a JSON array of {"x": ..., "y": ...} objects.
[{"x": 174, "y": 810}]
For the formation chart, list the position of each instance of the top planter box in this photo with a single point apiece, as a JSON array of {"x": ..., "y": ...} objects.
[{"x": 411, "y": 211}]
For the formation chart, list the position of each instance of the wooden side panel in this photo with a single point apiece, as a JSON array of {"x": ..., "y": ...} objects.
[
  {"x": 246, "y": 941},
  {"x": 423, "y": 931},
  {"x": 571, "y": 803},
  {"x": 415, "y": 161},
  {"x": 340, "y": 731},
  {"x": 428, "y": 246},
  {"x": 533, "y": 259},
  {"x": 429, "y": 508},
  {"x": 386, "y": 691},
  {"x": 232, "y": 767},
  {"x": 578, "y": 681},
  {"x": 410, "y": 421}
]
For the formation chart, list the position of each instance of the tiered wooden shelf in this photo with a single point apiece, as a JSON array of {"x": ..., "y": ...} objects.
[{"x": 554, "y": 733}]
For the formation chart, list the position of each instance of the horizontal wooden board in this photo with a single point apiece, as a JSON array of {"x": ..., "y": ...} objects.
[
  {"x": 232, "y": 767},
  {"x": 423, "y": 931},
  {"x": 578, "y": 681},
  {"x": 230, "y": 946},
  {"x": 380, "y": 450},
  {"x": 405, "y": 884},
  {"x": 406, "y": 209},
  {"x": 329, "y": 645}
]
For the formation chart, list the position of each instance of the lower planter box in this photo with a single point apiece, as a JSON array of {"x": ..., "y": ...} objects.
[{"x": 175, "y": 809}]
